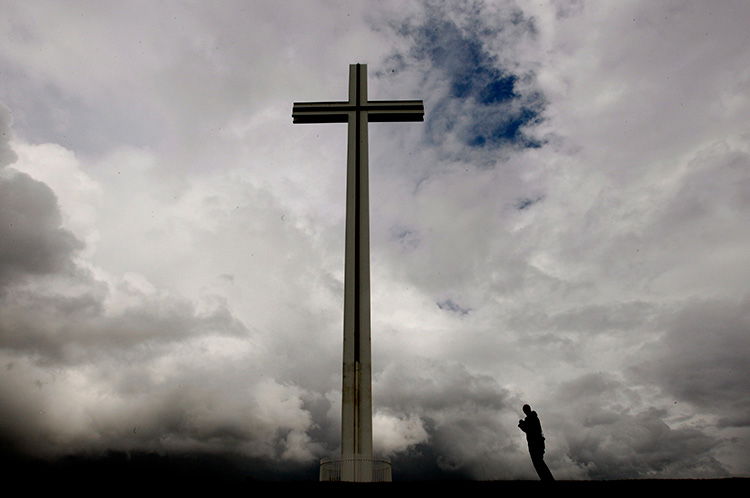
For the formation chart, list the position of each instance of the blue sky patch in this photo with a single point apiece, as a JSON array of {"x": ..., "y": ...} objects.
[
  {"x": 407, "y": 238},
  {"x": 527, "y": 202},
  {"x": 485, "y": 104},
  {"x": 500, "y": 89},
  {"x": 449, "y": 305}
]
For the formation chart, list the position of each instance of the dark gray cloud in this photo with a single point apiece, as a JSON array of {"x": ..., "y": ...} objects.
[
  {"x": 72, "y": 329},
  {"x": 641, "y": 445},
  {"x": 703, "y": 357},
  {"x": 7, "y": 156},
  {"x": 612, "y": 432},
  {"x": 435, "y": 386},
  {"x": 460, "y": 422},
  {"x": 31, "y": 238}
]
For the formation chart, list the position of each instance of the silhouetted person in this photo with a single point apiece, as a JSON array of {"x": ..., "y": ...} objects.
[{"x": 533, "y": 429}]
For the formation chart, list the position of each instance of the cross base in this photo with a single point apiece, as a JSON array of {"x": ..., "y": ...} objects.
[{"x": 355, "y": 468}]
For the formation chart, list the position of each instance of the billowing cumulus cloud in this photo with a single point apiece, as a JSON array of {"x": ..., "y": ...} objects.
[
  {"x": 111, "y": 364},
  {"x": 32, "y": 241},
  {"x": 462, "y": 417},
  {"x": 565, "y": 229}
]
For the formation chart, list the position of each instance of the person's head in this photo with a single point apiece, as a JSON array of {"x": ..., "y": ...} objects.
[{"x": 527, "y": 409}]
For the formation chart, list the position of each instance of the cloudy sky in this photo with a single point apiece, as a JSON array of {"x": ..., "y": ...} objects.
[{"x": 568, "y": 228}]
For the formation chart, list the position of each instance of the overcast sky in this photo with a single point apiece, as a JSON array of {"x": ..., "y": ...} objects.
[{"x": 568, "y": 228}]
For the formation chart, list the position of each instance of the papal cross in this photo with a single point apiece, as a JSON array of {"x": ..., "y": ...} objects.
[{"x": 356, "y": 404}]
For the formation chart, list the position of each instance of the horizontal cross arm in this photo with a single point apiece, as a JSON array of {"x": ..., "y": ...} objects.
[
  {"x": 395, "y": 104},
  {"x": 321, "y": 112},
  {"x": 377, "y": 111},
  {"x": 395, "y": 110},
  {"x": 383, "y": 116},
  {"x": 320, "y": 117}
]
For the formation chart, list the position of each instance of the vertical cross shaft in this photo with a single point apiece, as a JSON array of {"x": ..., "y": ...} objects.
[
  {"x": 356, "y": 406},
  {"x": 356, "y": 402}
]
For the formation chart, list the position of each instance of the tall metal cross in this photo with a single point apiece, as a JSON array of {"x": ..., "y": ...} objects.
[{"x": 356, "y": 406}]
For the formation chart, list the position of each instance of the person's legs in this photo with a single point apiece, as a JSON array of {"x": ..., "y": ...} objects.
[{"x": 537, "y": 458}]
